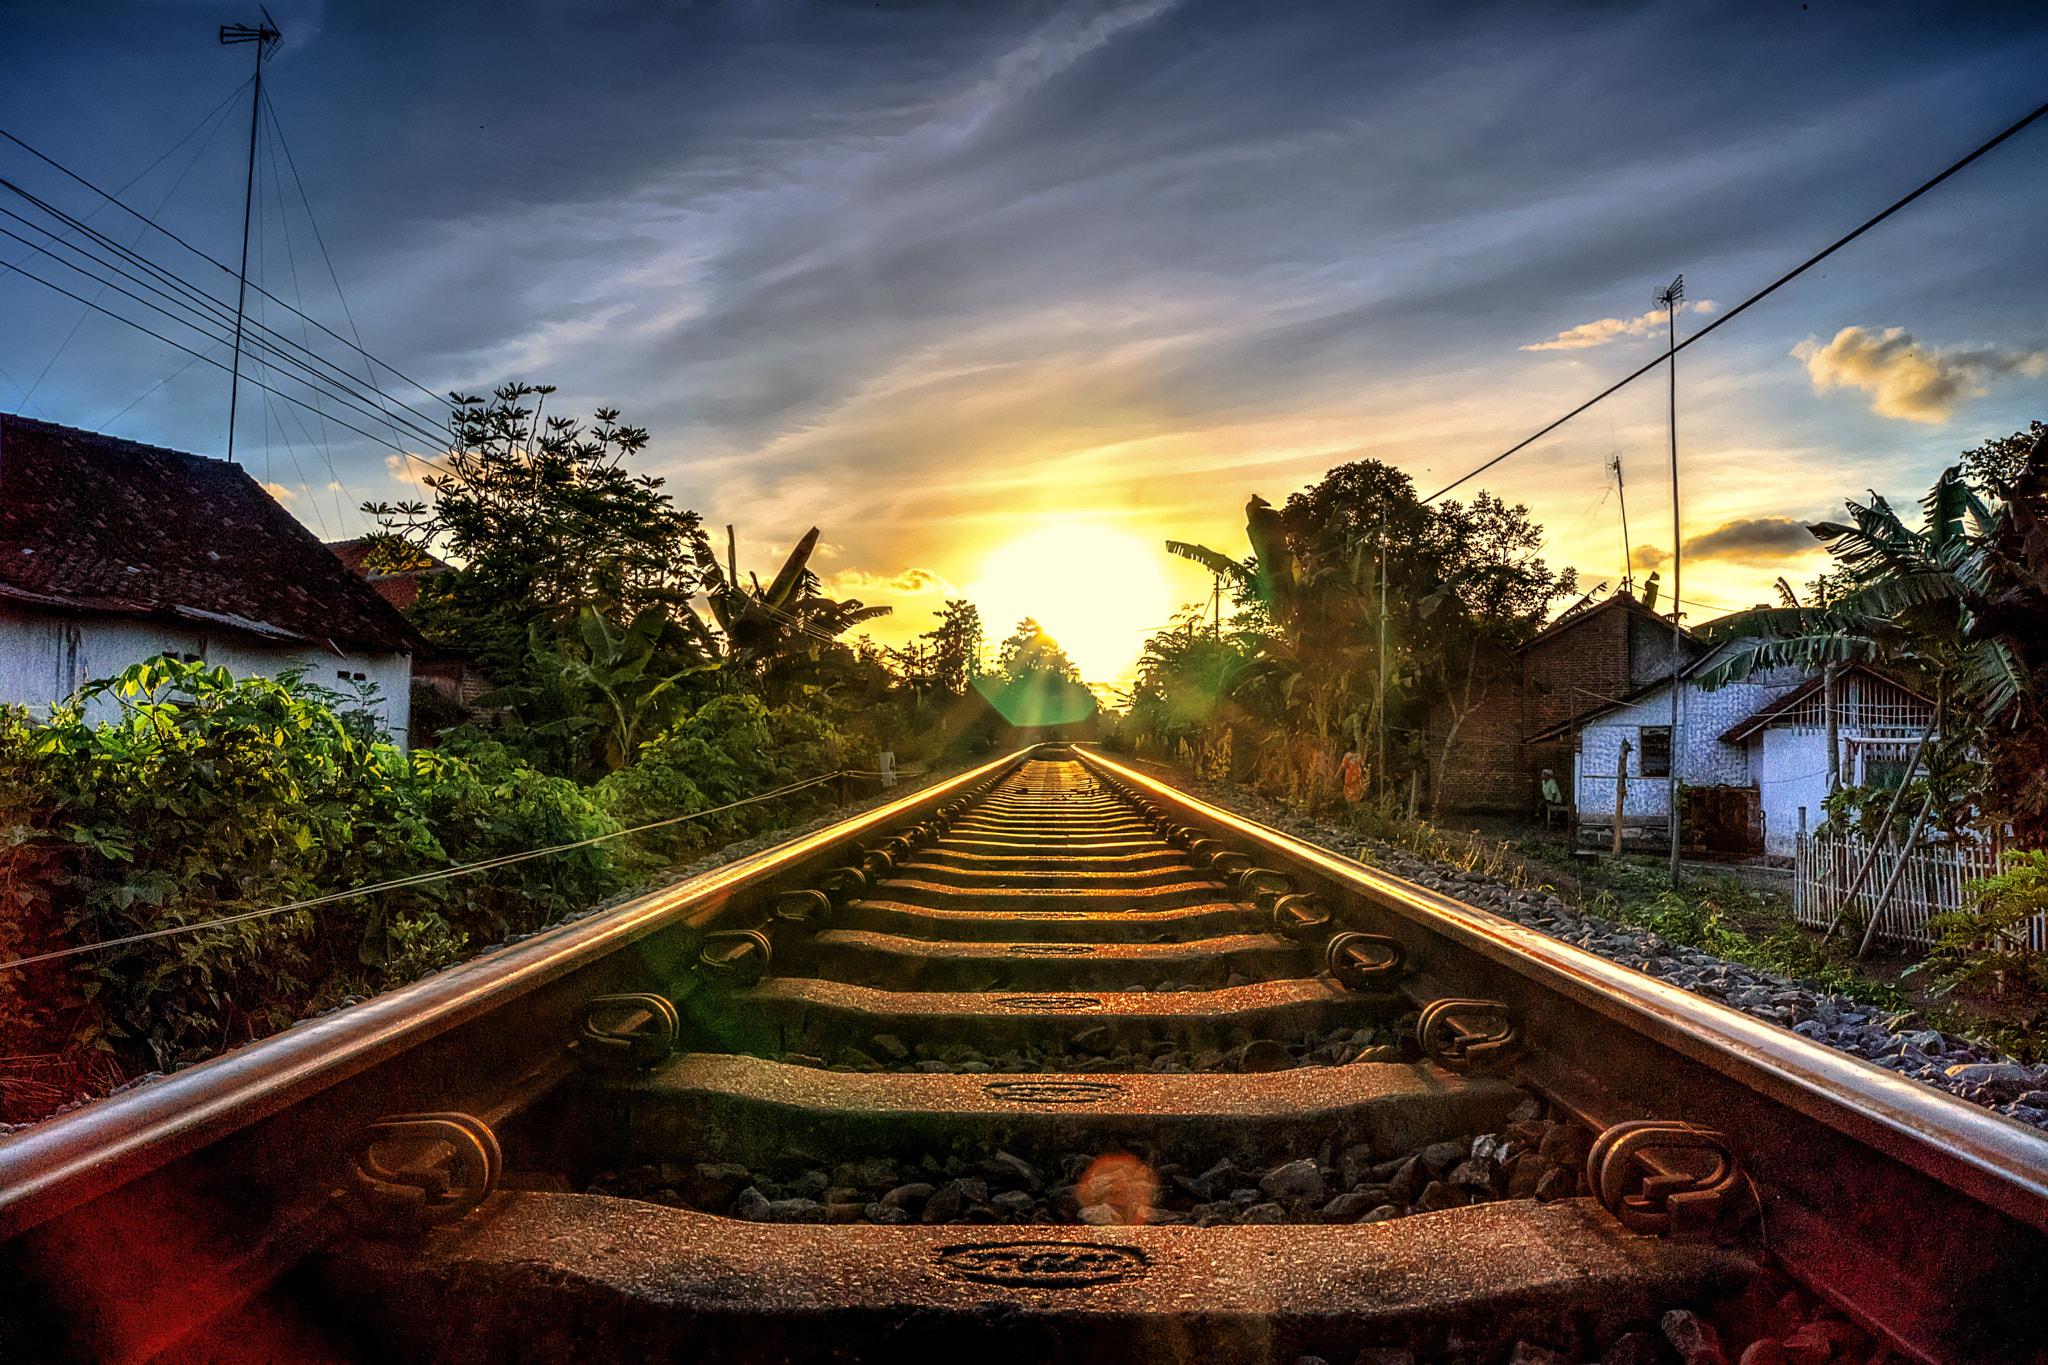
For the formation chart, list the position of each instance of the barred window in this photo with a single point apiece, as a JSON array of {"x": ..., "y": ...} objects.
[{"x": 1656, "y": 751}]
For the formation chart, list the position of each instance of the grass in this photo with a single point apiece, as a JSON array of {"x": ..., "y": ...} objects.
[{"x": 1714, "y": 912}]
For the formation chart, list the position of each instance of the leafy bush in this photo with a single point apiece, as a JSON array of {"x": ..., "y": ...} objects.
[
  {"x": 176, "y": 794},
  {"x": 728, "y": 749},
  {"x": 1982, "y": 947},
  {"x": 483, "y": 801},
  {"x": 200, "y": 797}
]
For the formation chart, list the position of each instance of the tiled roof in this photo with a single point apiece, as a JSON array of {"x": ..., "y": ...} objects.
[{"x": 93, "y": 524}]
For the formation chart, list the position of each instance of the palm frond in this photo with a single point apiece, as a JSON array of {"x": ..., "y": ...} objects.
[
  {"x": 1807, "y": 653},
  {"x": 1215, "y": 563},
  {"x": 1945, "y": 505},
  {"x": 1887, "y": 597},
  {"x": 1991, "y": 678}
]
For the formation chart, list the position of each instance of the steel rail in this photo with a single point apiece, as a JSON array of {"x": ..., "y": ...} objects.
[
  {"x": 1992, "y": 1158},
  {"x": 59, "y": 1165}
]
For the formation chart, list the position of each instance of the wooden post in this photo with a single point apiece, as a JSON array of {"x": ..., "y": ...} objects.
[
  {"x": 1620, "y": 794},
  {"x": 1831, "y": 706}
]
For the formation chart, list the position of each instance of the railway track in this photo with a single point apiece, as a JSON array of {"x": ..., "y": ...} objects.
[{"x": 1049, "y": 1062}]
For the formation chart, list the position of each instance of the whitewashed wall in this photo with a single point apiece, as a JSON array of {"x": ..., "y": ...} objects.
[
  {"x": 1704, "y": 761},
  {"x": 1792, "y": 771},
  {"x": 44, "y": 658}
]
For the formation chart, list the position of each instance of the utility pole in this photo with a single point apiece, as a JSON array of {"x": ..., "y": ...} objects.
[
  {"x": 1669, "y": 297},
  {"x": 1380, "y": 703},
  {"x": 1628, "y": 577},
  {"x": 265, "y": 36}
]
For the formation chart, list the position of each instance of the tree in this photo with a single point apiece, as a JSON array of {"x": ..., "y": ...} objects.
[
  {"x": 782, "y": 637},
  {"x": 1030, "y": 652},
  {"x": 1999, "y": 460},
  {"x": 1493, "y": 595},
  {"x": 1962, "y": 602},
  {"x": 543, "y": 519}
]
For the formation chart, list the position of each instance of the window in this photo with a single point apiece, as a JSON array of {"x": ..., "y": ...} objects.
[{"x": 1656, "y": 751}]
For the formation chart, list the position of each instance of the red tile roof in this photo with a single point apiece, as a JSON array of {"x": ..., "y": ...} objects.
[{"x": 94, "y": 524}]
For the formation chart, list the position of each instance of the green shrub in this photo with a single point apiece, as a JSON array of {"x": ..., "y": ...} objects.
[
  {"x": 1985, "y": 946},
  {"x": 198, "y": 797}
]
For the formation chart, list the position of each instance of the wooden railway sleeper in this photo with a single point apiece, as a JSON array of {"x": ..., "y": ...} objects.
[
  {"x": 627, "y": 1032},
  {"x": 412, "y": 1171},
  {"x": 1652, "y": 1197},
  {"x": 1468, "y": 1037}
]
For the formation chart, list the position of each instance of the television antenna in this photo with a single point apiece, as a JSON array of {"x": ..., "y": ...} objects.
[{"x": 266, "y": 37}]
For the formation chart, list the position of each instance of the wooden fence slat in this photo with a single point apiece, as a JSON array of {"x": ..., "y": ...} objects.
[{"x": 1931, "y": 884}]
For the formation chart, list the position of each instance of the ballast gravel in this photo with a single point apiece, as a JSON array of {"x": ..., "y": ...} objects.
[{"x": 1966, "y": 1069}]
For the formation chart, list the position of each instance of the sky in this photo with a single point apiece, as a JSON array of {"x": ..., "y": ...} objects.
[{"x": 1002, "y": 296}]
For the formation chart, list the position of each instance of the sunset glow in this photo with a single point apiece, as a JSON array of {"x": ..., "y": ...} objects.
[{"x": 1096, "y": 590}]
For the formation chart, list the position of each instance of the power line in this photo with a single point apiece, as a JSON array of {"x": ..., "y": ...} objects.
[
  {"x": 196, "y": 354},
  {"x": 1739, "y": 308},
  {"x": 117, "y": 203},
  {"x": 311, "y": 378},
  {"x": 268, "y": 337}
]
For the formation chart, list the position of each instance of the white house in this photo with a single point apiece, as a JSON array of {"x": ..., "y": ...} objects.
[
  {"x": 1877, "y": 723},
  {"x": 1768, "y": 734},
  {"x": 112, "y": 552}
]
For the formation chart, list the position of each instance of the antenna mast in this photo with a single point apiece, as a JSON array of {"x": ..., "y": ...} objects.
[
  {"x": 266, "y": 37},
  {"x": 1628, "y": 577},
  {"x": 1669, "y": 298}
]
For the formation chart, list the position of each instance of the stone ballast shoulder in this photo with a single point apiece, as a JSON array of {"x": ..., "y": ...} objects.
[{"x": 1960, "y": 1066}]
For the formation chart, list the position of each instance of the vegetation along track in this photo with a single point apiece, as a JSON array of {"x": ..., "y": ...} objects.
[{"x": 1047, "y": 1062}]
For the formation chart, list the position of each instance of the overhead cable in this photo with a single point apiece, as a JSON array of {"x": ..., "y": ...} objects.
[{"x": 1736, "y": 311}]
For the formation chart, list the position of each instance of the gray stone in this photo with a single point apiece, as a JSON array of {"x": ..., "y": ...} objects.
[
  {"x": 1526, "y": 1354},
  {"x": 1295, "y": 1180},
  {"x": 1098, "y": 1216},
  {"x": 795, "y": 1211},
  {"x": 1012, "y": 1172},
  {"x": 890, "y": 1046},
  {"x": 1014, "y": 1205},
  {"x": 752, "y": 1206},
  {"x": 1695, "y": 1341},
  {"x": 2006, "y": 1080},
  {"x": 1265, "y": 1213},
  {"x": 911, "y": 1197},
  {"x": 1349, "y": 1206},
  {"x": 1382, "y": 1214},
  {"x": 1638, "y": 1348}
]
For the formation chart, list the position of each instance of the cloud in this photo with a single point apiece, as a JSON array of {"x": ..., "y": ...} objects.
[
  {"x": 1906, "y": 379},
  {"x": 409, "y": 469},
  {"x": 1754, "y": 538},
  {"x": 1648, "y": 557},
  {"x": 909, "y": 583},
  {"x": 281, "y": 493},
  {"x": 1607, "y": 329}
]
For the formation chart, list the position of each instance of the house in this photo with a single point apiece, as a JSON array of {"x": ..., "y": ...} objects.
[
  {"x": 1588, "y": 658},
  {"x": 1632, "y": 738},
  {"x": 1753, "y": 755},
  {"x": 1877, "y": 722},
  {"x": 400, "y": 589},
  {"x": 112, "y": 552},
  {"x": 449, "y": 671}
]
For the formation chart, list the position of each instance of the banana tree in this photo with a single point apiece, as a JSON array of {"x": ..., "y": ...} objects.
[{"x": 763, "y": 629}]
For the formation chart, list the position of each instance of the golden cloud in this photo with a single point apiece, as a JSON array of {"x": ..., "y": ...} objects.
[
  {"x": 1906, "y": 379},
  {"x": 1607, "y": 329}
]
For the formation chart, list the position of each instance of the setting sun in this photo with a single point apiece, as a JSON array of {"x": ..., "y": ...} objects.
[{"x": 1097, "y": 591}]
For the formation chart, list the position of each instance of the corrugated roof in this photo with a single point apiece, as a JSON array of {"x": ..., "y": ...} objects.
[{"x": 94, "y": 524}]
